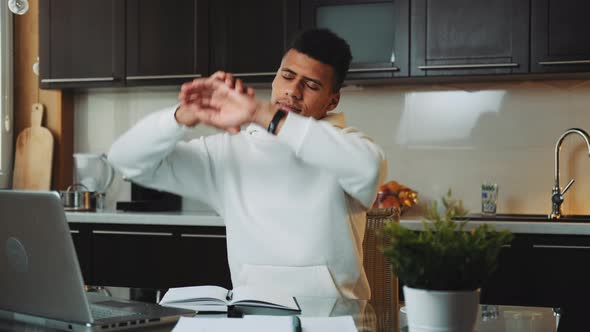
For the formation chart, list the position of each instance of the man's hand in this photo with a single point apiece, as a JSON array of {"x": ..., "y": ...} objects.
[
  {"x": 191, "y": 112},
  {"x": 216, "y": 103}
]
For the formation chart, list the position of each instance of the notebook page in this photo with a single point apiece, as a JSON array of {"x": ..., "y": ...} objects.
[
  {"x": 250, "y": 296},
  {"x": 193, "y": 293}
]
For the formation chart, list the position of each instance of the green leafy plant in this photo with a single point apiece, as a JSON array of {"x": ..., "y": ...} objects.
[{"x": 445, "y": 255}]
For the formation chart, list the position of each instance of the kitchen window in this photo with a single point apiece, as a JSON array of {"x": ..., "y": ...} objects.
[{"x": 6, "y": 103}]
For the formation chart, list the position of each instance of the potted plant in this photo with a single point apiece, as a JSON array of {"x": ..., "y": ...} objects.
[{"x": 443, "y": 266}]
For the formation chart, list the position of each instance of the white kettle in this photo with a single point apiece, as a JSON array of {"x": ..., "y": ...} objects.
[{"x": 93, "y": 171}]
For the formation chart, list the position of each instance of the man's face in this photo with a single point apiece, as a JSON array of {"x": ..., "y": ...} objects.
[{"x": 303, "y": 85}]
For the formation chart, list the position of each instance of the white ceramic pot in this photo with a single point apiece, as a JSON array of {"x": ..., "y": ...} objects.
[{"x": 441, "y": 311}]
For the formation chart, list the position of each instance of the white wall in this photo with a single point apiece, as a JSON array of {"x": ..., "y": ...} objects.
[{"x": 435, "y": 136}]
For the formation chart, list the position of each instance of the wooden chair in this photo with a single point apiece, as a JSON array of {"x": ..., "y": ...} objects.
[{"x": 384, "y": 286}]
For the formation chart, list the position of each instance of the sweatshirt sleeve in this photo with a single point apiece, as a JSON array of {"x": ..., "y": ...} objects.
[
  {"x": 152, "y": 154},
  {"x": 357, "y": 162}
]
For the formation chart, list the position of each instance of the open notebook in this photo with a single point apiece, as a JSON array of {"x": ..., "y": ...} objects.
[{"x": 218, "y": 299}]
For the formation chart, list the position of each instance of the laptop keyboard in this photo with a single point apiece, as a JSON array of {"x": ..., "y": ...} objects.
[{"x": 100, "y": 312}]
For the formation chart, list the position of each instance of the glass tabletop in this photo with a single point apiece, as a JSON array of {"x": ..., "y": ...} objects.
[
  {"x": 373, "y": 316},
  {"x": 494, "y": 318}
]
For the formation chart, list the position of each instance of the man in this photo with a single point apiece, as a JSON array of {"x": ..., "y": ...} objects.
[{"x": 292, "y": 188}]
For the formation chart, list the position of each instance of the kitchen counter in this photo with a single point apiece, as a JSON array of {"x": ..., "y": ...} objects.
[
  {"x": 209, "y": 218},
  {"x": 518, "y": 227},
  {"x": 182, "y": 218}
]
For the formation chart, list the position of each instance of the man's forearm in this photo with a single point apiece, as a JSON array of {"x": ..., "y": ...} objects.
[
  {"x": 142, "y": 148},
  {"x": 347, "y": 154}
]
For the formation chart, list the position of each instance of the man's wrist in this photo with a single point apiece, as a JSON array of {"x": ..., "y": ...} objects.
[
  {"x": 275, "y": 123},
  {"x": 178, "y": 116},
  {"x": 264, "y": 113}
]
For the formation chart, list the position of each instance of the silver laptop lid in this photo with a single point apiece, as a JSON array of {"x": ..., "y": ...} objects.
[{"x": 40, "y": 272}]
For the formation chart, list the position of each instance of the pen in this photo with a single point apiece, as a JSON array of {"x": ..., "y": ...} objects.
[{"x": 296, "y": 324}]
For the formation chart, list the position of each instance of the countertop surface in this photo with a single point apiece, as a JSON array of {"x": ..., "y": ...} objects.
[
  {"x": 210, "y": 218},
  {"x": 519, "y": 227},
  {"x": 183, "y": 218}
]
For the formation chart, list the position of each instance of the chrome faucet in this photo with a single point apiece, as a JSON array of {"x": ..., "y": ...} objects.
[{"x": 557, "y": 193}]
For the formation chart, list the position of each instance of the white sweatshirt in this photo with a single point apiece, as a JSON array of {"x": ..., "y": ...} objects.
[{"x": 293, "y": 204}]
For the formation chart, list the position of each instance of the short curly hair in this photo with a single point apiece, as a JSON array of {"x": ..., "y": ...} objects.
[{"x": 328, "y": 48}]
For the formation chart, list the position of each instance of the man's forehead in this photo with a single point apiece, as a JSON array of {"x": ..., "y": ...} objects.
[{"x": 302, "y": 64}]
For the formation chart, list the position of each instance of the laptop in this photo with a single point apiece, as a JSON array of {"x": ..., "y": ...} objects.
[{"x": 40, "y": 279}]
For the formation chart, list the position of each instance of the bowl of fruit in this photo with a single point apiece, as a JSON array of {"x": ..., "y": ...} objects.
[{"x": 393, "y": 195}]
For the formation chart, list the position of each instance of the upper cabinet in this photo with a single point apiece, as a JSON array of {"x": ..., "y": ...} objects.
[
  {"x": 166, "y": 41},
  {"x": 377, "y": 32},
  {"x": 469, "y": 37},
  {"x": 94, "y": 43},
  {"x": 249, "y": 38},
  {"x": 91, "y": 43},
  {"x": 81, "y": 43},
  {"x": 560, "y": 36}
]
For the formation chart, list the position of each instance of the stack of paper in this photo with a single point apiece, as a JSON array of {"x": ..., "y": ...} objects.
[
  {"x": 325, "y": 324},
  {"x": 256, "y": 323},
  {"x": 247, "y": 324}
]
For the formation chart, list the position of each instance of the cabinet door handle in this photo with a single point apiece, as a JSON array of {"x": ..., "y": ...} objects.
[
  {"x": 506, "y": 246},
  {"x": 548, "y": 246},
  {"x": 470, "y": 66},
  {"x": 570, "y": 62},
  {"x": 208, "y": 236},
  {"x": 254, "y": 74},
  {"x": 370, "y": 70},
  {"x": 132, "y": 233},
  {"x": 73, "y": 231},
  {"x": 161, "y": 77},
  {"x": 76, "y": 80}
]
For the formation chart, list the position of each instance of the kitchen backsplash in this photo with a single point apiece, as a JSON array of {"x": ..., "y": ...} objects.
[{"x": 435, "y": 137}]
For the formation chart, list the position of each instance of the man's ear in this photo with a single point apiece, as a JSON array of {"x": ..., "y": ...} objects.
[{"x": 334, "y": 101}]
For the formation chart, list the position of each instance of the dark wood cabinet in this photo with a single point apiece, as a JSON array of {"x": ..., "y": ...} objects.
[
  {"x": 203, "y": 251},
  {"x": 469, "y": 37},
  {"x": 151, "y": 256},
  {"x": 166, "y": 41},
  {"x": 510, "y": 283},
  {"x": 377, "y": 32},
  {"x": 562, "y": 275},
  {"x": 126, "y": 257},
  {"x": 541, "y": 270},
  {"x": 249, "y": 38},
  {"x": 560, "y": 41},
  {"x": 82, "y": 246},
  {"x": 88, "y": 43},
  {"x": 81, "y": 43},
  {"x": 546, "y": 271}
]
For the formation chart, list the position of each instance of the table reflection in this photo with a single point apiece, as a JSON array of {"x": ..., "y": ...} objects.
[{"x": 362, "y": 312}]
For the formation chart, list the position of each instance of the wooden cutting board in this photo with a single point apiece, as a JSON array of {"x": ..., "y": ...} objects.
[{"x": 34, "y": 155}]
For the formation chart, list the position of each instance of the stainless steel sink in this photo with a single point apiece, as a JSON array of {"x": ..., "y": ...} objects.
[{"x": 525, "y": 217}]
